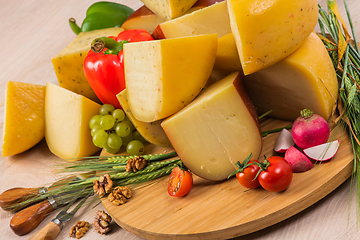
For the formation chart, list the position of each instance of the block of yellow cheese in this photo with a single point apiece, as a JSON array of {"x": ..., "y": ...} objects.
[
  {"x": 266, "y": 31},
  {"x": 169, "y": 9},
  {"x": 152, "y": 132},
  {"x": 163, "y": 76},
  {"x": 217, "y": 129},
  {"x": 67, "y": 117},
  {"x": 24, "y": 121},
  {"x": 68, "y": 64},
  {"x": 211, "y": 19},
  {"x": 305, "y": 79},
  {"x": 227, "y": 57}
]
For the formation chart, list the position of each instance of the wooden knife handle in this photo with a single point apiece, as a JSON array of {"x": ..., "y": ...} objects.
[
  {"x": 49, "y": 232},
  {"x": 16, "y": 195},
  {"x": 29, "y": 218}
]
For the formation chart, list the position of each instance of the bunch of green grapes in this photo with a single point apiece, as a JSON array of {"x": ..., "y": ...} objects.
[{"x": 111, "y": 129}]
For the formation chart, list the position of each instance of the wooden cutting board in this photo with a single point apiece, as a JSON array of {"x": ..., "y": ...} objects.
[{"x": 222, "y": 210}]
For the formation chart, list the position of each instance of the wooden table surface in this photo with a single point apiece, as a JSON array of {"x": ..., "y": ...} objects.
[{"x": 31, "y": 33}]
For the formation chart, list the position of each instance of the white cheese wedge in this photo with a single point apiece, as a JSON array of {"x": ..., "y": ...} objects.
[
  {"x": 217, "y": 129},
  {"x": 266, "y": 31},
  {"x": 305, "y": 79},
  {"x": 211, "y": 19},
  {"x": 67, "y": 117},
  {"x": 163, "y": 76},
  {"x": 151, "y": 132},
  {"x": 169, "y": 9}
]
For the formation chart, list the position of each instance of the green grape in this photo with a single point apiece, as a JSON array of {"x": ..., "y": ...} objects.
[
  {"x": 110, "y": 150},
  {"x": 100, "y": 138},
  {"x": 95, "y": 121},
  {"x": 94, "y": 130},
  {"x": 128, "y": 122},
  {"x": 106, "y": 109},
  {"x": 127, "y": 139},
  {"x": 107, "y": 122},
  {"x": 137, "y": 136},
  {"x": 114, "y": 141},
  {"x": 119, "y": 115},
  {"x": 122, "y": 129},
  {"x": 135, "y": 147}
]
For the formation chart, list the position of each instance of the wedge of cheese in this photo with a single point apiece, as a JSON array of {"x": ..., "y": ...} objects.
[
  {"x": 217, "y": 129},
  {"x": 169, "y": 9},
  {"x": 227, "y": 57},
  {"x": 24, "y": 121},
  {"x": 211, "y": 19},
  {"x": 68, "y": 64},
  {"x": 267, "y": 31},
  {"x": 67, "y": 117},
  {"x": 305, "y": 79},
  {"x": 163, "y": 76},
  {"x": 152, "y": 132}
]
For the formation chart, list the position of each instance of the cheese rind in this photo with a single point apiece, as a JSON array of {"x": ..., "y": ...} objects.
[
  {"x": 163, "y": 76},
  {"x": 152, "y": 132},
  {"x": 67, "y": 117},
  {"x": 211, "y": 19},
  {"x": 267, "y": 31},
  {"x": 24, "y": 120},
  {"x": 169, "y": 9},
  {"x": 68, "y": 64},
  {"x": 217, "y": 129},
  {"x": 305, "y": 79}
]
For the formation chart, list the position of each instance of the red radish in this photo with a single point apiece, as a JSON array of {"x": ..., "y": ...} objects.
[
  {"x": 310, "y": 130},
  {"x": 323, "y": 152},
  {"x": 284, "y": 141},
  {"x": 297, "y": 160}
]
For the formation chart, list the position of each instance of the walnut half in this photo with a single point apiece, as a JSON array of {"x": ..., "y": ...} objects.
[
  {"x": 102, "y": 222},
  {"x": 79, "y": 229},
  {"x": 119, "y": 195},
  {"x": 103, "y": 185},
  {"x": 135, "y": 164}
]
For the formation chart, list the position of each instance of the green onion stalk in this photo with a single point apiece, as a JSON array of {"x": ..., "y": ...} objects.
[{"x": 345, "y": 55}]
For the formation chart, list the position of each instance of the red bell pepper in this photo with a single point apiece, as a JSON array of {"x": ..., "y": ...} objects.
[{"x": 104, "y": 64}]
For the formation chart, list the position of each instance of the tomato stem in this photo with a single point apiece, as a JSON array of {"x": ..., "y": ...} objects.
[
  {"x": 241, "y": 166},
  {"x": 262, "y": 165},
  {"x": 113, "y": 47}
]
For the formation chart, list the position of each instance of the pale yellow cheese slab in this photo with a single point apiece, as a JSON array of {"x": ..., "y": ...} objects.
[
  {"x": 163, "y": 76},
  {"x": 217, "y": 129},
  {"x": 152, "y": 132},
  {"x": 169, "y": 9},
  {"x": 305, "y": 79},
  {"x": 267, "y": 31},
  {"x": 24, "y": 121},
  {"x": 68, "y": 64},
  {"x": 67, "y": 117}
]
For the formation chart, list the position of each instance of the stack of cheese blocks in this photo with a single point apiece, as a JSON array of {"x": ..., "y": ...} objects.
[{"x": 214, "y": 67}]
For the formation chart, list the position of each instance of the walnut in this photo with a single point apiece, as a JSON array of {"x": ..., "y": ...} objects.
[
  {"x": 119, "y": 195},
  {"x": 102, "y": 222},
  {"x": 135, "y": 164},
  {"x": 103, "y": 185},
  {"x": 79, "y": 229}
]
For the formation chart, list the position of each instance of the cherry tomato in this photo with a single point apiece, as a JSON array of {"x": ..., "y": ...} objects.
[
  {"x": 247, "y": 178},
  {"x": 180, "y": 182},
  {"x": 276, "y": 174}
]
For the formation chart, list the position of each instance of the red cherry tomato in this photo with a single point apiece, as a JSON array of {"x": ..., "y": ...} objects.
[
  {"x": 180, "y": 182},
  {"x": 247, "y": 178},
  {"x": 276, "y": 174}
]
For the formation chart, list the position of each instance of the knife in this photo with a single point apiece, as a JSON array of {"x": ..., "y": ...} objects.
[
  {"x": 51, "y": 231},
  {"x": 13, "y": 196},
  {"x": 29, "y": 218}
]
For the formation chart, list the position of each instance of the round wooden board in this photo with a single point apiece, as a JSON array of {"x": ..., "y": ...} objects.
[{"x": 223, "y": 210}]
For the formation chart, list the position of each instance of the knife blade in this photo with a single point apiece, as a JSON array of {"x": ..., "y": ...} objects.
[
  {"x": 29, "y": 218},
  {"x": 11, "y": 197}
]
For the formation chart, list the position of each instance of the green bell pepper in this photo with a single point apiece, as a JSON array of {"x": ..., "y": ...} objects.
[{"x": 102, "y": 15}]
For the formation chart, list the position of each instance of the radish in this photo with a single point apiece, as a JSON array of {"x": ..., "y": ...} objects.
[
  {"x": 284, "y": 141},
  {"x": 310, "y": 130},
  {"x": 323, "y": 152},
  {"x": 297, "y": 160}
]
